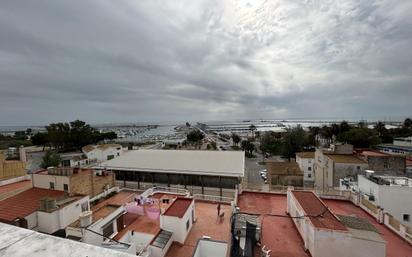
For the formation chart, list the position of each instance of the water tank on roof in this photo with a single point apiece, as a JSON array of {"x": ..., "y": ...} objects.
[{"x": 85, "y": 218}]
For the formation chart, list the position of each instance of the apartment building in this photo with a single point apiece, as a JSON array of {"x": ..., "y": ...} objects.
[
  {"x": 306, "y": 162},
  {"x": 336, "y": 163},
  {"x": 75, "y": 180}
]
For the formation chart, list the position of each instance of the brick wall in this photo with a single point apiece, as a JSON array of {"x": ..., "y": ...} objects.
[
  {"x": 390, "y": 165},
  {"x": 86, "y": 183}
]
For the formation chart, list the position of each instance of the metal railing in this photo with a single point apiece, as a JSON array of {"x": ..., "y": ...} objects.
[{"x": 213, "y": 198}]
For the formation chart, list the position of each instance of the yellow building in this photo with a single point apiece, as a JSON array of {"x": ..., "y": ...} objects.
[{"x": 11, "y": 169}]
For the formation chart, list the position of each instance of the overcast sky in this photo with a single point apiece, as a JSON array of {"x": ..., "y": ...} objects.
[{"x": 147, "y": 60}]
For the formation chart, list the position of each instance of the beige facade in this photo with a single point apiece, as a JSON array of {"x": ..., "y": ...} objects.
[
  {"x": 331, "y": 165},
  {"x": 75, "y": 181},
  {"x": 11, "y": 169},
  {"x": 284, "y": 174}
]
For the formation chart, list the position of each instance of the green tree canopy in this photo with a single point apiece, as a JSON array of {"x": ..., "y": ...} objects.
[
  {"x": 293, "y": 140},
  {"x": 50, "y": 159},
  {"x": 235, "y": 139},
  {"x": 195, "y": 136},
  {"x": 270, "y": 142},
  {"x": 360, "y": 137}
]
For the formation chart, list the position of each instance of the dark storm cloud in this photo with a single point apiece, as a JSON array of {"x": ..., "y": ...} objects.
[{"x": 108, "y": 61}]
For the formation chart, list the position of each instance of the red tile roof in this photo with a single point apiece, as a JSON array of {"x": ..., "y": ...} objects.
[
  {"x": 25, "y": 184},
  {"x": 179, "y": 207},
  {"x": 25, "y": 203},
  {"x": 319, "y": 214}
]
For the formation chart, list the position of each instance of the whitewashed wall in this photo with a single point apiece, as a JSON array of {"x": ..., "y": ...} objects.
[{"x": 178, "y": 225}]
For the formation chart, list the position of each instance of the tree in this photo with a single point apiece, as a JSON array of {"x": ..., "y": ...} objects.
[
  {"x": 50, "y": 159},
  {"x": 20, "y": 135},
  {"x": 195, "y": 136},
  {"x": 187, "y": 124},
  {"x": 252, "y": 128},
  {"x": 58, "y": 134},
  {"x": 235, "y": 139},
  {"x": 360, "y": 137},
  {"x": 81, "y": 134},
  {"x": 294, "y": 139},
  {"x": 270, "y": 142},
  {"x": 40, "y": 139},
  {"x": 248, "y": 147},
  {"x": 407, "y": 123},
  {"x": 380, "y": 128},
  {"x": 344, "y": 126}
]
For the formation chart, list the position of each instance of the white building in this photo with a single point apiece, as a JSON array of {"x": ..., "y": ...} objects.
[
  {"x": 401, "y": 145},
  {"x": 42, "y": 210},
  {"x": 213, "y": 169},
  {"x": 99, "y": 227},
  {"x": 324, "y": 234},
  {"x": 19, "y": 242},
  {"x": 336, "y": 163},
  {"x": 306, "y": 162},
  {"x": 403, "y": 141},
  {"x": 175, "y": 223},
  {"x": 100, "y": 153},
  {"x": 393, "y": 194}
]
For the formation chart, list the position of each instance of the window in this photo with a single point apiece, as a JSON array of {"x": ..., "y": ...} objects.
[
  {"x": 406, "y": 217},
  {"x": 358, "y": 167},
  {"x": 66, "y": 188},
  {"x": 309, "y": 168},
  {"x": 51, "y": 185},
  {"x": 85, "y": 206},
  {"x": 108, "y": 230},
  {"x": 309, "y": 175},
  {"x": 109, "y": 157},
  {"x": 187, "y": 224}
]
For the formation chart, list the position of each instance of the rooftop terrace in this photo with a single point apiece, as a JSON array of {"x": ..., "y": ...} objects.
[
  {"x": 207, "y": 224},
  {"x": 280, "y": 235},
  {"x": 14, "y": 188}
]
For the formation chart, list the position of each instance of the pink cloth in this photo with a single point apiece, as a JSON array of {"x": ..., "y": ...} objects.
[
  {"x": 134, "y": 208},
  {"x": 153, "y": 213}
]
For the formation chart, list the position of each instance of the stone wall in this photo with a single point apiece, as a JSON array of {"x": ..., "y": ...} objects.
[
  {"x": 387, "y": 165},
  {"x": 86, "y": 183}
]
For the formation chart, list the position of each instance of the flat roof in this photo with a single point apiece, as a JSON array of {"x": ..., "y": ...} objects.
[
  {"x": 20, "y": 242},
  {"x": 285, "y": 239},
  {"x": 179, "y": 207},
  {"x": 283, "y": 168},
  {"x": 207, "y": 224},
  {"x": 212, "y": 163},
  {"x": 319, "y": 214},
  {"x": 25, "y": 203},
  {"x": 310, "y": 155},
  {"x": 14, "y": 188},
  {"x": 345, "y": 158}
]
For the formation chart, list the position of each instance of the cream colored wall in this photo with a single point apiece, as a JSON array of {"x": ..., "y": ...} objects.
[
  {"x": 11, "y": 169},
  {"x": 43, "y": 181},
  {"x": 362, "y": 247},
  {"x": 332, "y": 243}
]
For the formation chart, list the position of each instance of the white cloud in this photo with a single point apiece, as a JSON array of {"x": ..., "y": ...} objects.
[{"x": 175, "y": 60}]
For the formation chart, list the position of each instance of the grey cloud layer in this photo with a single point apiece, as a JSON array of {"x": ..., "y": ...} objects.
[{"x": 108, "y": 61}]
